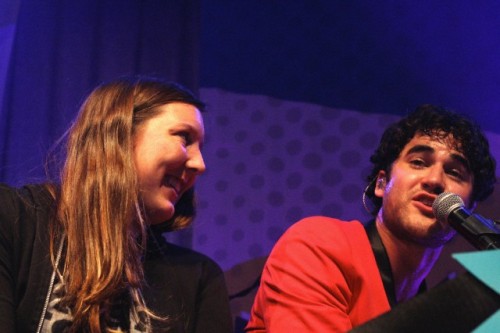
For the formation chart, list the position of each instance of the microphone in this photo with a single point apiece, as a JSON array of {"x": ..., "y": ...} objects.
[{"x": 482, "y": 233}]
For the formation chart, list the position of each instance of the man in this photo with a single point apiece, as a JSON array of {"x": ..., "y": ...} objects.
[{"x": 327, "y": 275}]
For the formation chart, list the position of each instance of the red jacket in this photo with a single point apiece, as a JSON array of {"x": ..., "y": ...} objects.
[{"x": 321, "y": 276}]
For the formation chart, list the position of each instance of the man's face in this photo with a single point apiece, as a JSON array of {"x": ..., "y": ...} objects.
[{"x": 425, "y": 168}]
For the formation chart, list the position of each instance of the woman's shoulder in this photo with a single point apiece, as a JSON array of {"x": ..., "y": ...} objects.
[
  {"x": 186, "y": 256},
  {"x": 187, "y": 269},
  {"x": 25, "y": 200},
  {"x": 35, "y": 195}
]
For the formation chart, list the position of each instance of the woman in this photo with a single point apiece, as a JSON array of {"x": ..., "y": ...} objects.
[{"x": 88, "y": 255}]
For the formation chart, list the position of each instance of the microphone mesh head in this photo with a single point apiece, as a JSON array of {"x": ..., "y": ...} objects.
[{"x": 444, "y": 204}]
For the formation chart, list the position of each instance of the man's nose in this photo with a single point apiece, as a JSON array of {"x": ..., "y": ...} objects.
[{"x": 433, "y": 181}]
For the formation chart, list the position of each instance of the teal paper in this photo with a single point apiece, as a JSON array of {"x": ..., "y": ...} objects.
[
  {"x": 491, "y": 325},
  {"x": 485, "y": 265}
]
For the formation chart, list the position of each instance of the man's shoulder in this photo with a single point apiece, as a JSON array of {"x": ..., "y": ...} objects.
[
  {"x": 324, "y": 224},
  {"x": 324, "y": 233}
]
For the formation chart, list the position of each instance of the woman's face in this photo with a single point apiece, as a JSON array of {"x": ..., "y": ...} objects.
[{"x": 168, "y": 158}]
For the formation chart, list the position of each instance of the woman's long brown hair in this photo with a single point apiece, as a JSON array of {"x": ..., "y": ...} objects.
[{"x": 98, "y": 206}]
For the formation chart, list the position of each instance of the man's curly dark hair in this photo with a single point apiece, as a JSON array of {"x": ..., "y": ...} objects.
[{"x": 436, "y": 122}]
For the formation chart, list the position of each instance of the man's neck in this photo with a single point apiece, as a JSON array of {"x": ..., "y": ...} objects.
[{"x": 410, "y": 263}]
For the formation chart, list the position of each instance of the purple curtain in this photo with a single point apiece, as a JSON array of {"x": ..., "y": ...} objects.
[{"x": 62, "y": 49}]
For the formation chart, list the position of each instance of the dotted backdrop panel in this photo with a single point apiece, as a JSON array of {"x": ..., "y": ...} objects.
[{"x": 271, "y": 162}]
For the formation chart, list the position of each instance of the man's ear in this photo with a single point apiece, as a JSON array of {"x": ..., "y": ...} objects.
[{"x": 380, "y": 184}]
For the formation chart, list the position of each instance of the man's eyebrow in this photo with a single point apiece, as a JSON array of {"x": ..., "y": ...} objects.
[
  {"x": 428, "y": 149},
  {"x": 420, "y": 149}
]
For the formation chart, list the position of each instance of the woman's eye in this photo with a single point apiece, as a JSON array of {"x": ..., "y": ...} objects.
[{"x": 186, "y": 138}]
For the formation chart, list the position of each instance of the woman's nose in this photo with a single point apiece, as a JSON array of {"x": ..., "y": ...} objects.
[{"x": 196, "y": 162}]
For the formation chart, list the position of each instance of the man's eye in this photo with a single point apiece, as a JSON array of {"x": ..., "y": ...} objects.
[
  {"x": 456, "y": 174},
  {"x": 417, "y": 162}
]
